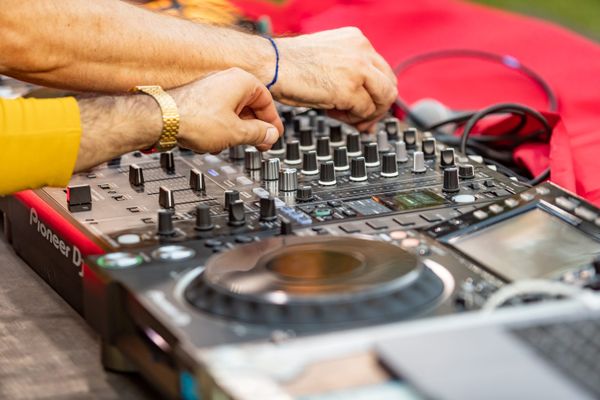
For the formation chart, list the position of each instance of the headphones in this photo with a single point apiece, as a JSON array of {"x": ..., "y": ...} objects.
[{"x": 432, "y": 115}]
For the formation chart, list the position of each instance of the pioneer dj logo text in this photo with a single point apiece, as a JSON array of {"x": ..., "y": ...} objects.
[{"x": 72, "y": 253}]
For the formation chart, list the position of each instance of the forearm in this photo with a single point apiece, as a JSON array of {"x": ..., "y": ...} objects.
[
  {"x": 115, "y": 125},
  {"x": 109, "y": 45}
]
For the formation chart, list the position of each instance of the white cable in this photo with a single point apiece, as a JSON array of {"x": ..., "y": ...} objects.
[{"x": 534, "y": 286}]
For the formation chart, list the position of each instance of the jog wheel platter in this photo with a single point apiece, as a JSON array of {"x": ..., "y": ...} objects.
[{"x": 295, "y": 281}]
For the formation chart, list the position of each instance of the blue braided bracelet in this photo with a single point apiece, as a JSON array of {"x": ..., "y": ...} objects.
[{"x": 276, "y": 76}]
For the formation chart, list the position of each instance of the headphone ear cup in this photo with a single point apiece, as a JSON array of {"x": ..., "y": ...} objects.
[{"x": 431, "y": 112}]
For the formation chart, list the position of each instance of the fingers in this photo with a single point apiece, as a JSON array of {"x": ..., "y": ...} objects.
[
  {"x": 384, "y": 67},
  {"x": 257, "y": 133}
]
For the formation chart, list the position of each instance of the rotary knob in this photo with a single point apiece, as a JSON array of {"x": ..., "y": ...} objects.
[
  {"x": 389, "y": 167},
  {"x": 447, "y": 158},
  {"x": 323, "y": 150},
  {"x": 353, "y": 144},
  {"x": 371, "y": 154},
  {"x": 292, "y": 153},
  {"x": 231, "y": 196},
  {"x": 298, "y": 122},
  {"x": 237, "y": 215},
  {"x": 309, "y": 163},
  {"x": 418, "y": 163},
  {"x": 336, "y": 136},
  {"x": 340, "y": 159},
  {"x": 312, "y": 118},
  {"x": 197, "y": 182},
  {"x": 382, "y": 141},
  {"x": 392, "y": 127},
  {"x": 270, "y": 169},
  {"x": 166, "y": 198},
  {"x": 252, "y": 159},
  {"x": 268, "y": 210},
  {"x": 167, "y": 162},
  {"x": 237, "y": 152},
  {"x": 401, "y": 153},
  {"x": 304, "y": 193},
  {"x": 327, "y": 174},
  {"x": 288, "y": 180},
  {"x": 165, "y": 223},
  {"x": 410, "y": 138},
  {"x": 450, "y": 180},
  {"x": 203, "y": 218},
  {"x": 428, "y": 147},
  {"x": 466, "y": 171},
  {"x": 286, "y": 112},
  {"x": 358, "y": 169},
  {"x": 136, "y": 175},
  {"x": 321, "y": 125},
  {"x": 307, "y": 140},
  {"x": 278, "y": 147}
]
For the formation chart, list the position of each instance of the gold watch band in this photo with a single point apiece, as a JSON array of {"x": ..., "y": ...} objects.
[{"x": 170, "y": 117}]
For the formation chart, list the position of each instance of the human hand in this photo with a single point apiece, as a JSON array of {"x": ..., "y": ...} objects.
[
  {"x": 226, "y": 109},
  {"x": 337, "y": 70}
]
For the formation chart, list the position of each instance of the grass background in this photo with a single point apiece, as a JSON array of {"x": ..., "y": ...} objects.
[{"x": 582, "y": 16}]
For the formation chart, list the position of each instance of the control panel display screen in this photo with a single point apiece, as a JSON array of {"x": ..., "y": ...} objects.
[
  {"x": 412, "y": 200},
  {"x": 534, "y": 244}
]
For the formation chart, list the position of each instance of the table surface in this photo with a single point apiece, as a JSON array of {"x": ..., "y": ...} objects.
[{"x": 46, "y": 349}]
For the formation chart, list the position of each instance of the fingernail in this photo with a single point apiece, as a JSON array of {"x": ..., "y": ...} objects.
[{"x": 271, "y": 136}]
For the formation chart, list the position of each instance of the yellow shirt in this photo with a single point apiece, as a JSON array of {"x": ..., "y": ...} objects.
[{"x": 39, "y": 142}]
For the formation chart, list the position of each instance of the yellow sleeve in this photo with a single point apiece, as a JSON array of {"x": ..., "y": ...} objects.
[{"x": 39, "y": 142}]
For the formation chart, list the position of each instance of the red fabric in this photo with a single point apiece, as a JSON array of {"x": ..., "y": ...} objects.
[{"x": 400, "y": 29}]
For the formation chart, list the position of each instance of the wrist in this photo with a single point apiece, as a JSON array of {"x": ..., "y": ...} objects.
[{"x": 145, "y": 121}]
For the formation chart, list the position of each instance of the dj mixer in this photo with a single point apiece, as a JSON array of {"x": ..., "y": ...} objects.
[{"x": 173, "y": 256}]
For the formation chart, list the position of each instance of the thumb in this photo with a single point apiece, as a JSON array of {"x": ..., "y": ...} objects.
[{"x": 258, "y": 133}]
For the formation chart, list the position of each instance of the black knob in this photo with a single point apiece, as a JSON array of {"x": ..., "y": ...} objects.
[
  {"x": 136, "y": 175},
  {"x": 389, "y": 167},
  {"x": 323, "y": 150},
  {"x": 428, "y": 148},
  {"x": 237, "y": 215},
  {"x": 286, "y": 226},
  {"x": 358, "y": 169},
  {"x": 327, "y": 174},
  {"x": 340, "y": 159},
  {"x": 392, "y": 127},
  {"x": 353, "y": 144},
  {"x": 292, "y": 152},
  {"x": 447, "y": 158},
  {"x": 230, "y": 197},
  {"x": 252, "y": 159},
  {"x": 371, "y": 154},
  {"x": 410, "y": 138},
  {"x": 298, "y": 122},
  {"x": 321, "y": 125},
  {"x": 165, "y": 223},
  {"x": 309, "y": 163},
  {"x": 237, "y": 152},
  {"x": 197, "y": 181},
  {"x": 335, "y": 134},
  {"x": 167, "y": 162},
  {"x": 203, "y": 218},
  {"x": 166, "y": 198},
  {"x": 278, "y": 147},
  {"x": 304, "y": 193},
  {"x": 451, "y": 180},
  {"x": 466, "y": 171},
  {"x": 287, "y": 113},
  {"x": 307, "y": 140},
  {"x": 596, "y": 265},
  {"x": 268, "y": 211}
]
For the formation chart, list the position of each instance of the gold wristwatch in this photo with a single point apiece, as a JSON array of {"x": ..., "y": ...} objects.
[{"x": 170, "y": 117}]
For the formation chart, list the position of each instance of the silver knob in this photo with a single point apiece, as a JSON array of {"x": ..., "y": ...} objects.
[
  {"x": 237, "y": 152},
  {"x": 252, "y": 159},
  {"x": 401, "y": 154},
  {"x": 418, "y": 162},
  {"x": 166, "y": 198},
  {"x": 270, "y": 169},
  {"x": 382, "y": 141},
  {"x": 288, "y": 180}
]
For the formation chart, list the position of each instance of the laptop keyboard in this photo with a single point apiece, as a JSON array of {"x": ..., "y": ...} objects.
[{"x": 573, "y": 347}]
